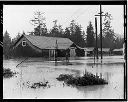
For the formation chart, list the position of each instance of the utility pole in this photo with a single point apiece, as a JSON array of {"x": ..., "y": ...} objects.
[
  {"x": 96, "y": 37},
  {"x": 100, "y": 14}
]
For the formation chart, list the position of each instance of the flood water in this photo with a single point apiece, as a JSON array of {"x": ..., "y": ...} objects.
[{"x": 36, "y": 70}]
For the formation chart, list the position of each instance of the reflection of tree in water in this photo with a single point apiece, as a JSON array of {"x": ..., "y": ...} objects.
[
  {"x": 107, "y": 76},
  {"x": 87, "y": 89}
]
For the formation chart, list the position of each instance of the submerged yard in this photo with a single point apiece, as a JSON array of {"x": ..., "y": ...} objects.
[{"x": 36, "y": 71}]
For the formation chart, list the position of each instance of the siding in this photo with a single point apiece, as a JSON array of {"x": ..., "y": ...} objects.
[{"x": 27, "y": 51}]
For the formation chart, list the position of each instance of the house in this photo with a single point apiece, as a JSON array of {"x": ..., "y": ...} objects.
[
  {"x": 41, "y": 46},
  {"x": 118, "y": 51}
]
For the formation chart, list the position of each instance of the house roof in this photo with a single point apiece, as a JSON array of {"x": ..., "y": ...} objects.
[
  {"x": 89, "y": 49},
  {"x": 104, "y": 49},
  {"x": 43, "y": 42},
  {"x": 92, "y": 48},
  {"x": 118, "y": 49}
]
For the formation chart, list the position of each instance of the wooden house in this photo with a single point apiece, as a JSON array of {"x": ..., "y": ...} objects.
[{"x": 41, "y": 46}]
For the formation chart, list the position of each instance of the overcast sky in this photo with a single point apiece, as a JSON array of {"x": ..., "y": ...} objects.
[{"x": 16, "y": 17}]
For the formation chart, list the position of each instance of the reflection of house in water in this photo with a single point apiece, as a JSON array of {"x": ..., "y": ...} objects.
[{"x": 41, "y": 46}]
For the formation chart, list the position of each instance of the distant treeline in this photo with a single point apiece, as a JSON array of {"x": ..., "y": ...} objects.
[{"x": 74, "y": 32}]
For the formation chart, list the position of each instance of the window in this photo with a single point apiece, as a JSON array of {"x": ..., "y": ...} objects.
[{"x": 23, "y": 43}]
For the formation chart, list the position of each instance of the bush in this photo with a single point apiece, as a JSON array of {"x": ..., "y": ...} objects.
[
  {"x": 87, "y": 79},
  {"x": 7, "y": 73},
  {"x": 39, "y": 84}
]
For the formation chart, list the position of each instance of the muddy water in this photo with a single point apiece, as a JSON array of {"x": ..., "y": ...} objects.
[{"x": 36, "y": 70}]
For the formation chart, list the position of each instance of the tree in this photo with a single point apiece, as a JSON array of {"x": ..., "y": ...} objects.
[
  {"x": 67, "y": 33},
  {"x": 56, "y": 30},
  {"x": 39, "y": 22},
  {"x": 72, "y": 27},
  {"x": 108, "y": 32},
  {"x": 6, "y": 44},
  {"x": 90, "y": 40},
  {"x": 118, "y": 43},
  {"x": 76, "y": 34},
  {"x": 16, "y": 38}
]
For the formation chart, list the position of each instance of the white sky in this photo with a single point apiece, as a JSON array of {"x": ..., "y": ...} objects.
[{"x": 16, "y": 17}]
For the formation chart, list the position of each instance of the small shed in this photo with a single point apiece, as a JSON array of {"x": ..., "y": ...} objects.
[{"x": 118, "y": 51}]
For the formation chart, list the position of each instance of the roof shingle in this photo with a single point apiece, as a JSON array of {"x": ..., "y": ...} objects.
[{"x": 43, "y": 42}]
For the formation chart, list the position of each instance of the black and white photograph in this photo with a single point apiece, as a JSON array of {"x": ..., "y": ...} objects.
[{"x": 64, "y": 51}]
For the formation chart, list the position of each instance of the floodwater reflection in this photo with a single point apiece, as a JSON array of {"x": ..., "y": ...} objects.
[{"x": 34, "y": 72}]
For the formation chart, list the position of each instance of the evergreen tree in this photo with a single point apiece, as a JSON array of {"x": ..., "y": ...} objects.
[
  {"x": 76, "y": 34},
  {"x": 108, "y": 33},
  {"x": 118, "y": 43},
  {"x": 67, "y": 33},
  {"x": 16, "y": 38},
  {"x": 90, "y": 40},
  {"x": 6, "y": 44},
  {"x": 39, "y": 22},
  {"x": 56, "y": 30}
]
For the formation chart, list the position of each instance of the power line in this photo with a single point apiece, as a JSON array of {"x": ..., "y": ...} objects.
[{"x": 83, "y": 11}]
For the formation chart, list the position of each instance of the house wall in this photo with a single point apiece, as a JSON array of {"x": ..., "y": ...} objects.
[
  {"x": 26, "y": 51},
  {"x": 29, "y": 44},
  {"x": 72, "y": 52}
]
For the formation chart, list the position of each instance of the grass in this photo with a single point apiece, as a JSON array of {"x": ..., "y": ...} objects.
[
  {"x": 7, "y": 73},
  {"x": 86, "y": 79}
]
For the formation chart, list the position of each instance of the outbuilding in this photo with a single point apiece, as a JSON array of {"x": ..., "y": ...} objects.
[{"x": 118, "y": 51}]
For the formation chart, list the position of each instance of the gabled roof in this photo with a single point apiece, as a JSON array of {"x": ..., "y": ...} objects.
[
  {"x": 99, "y": 49},
  {"x": 43, "y": 42}
]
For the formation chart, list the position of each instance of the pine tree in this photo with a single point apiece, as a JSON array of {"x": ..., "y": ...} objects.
[
  {"x": 39, "y": 22},
  {"x": 56, "y": 30},
  {"x": 76, "y": 34},
  {"x": 90, "y": 40},
  {"x": 6, "y": 44},
  {"x": 108, "y": 33},
  {"x": 67, "y": 33}
]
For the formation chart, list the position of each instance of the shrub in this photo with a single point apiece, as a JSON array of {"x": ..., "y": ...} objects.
[
  {"x": 86, "y": 79},
  {"x": 7, "y": 73}
]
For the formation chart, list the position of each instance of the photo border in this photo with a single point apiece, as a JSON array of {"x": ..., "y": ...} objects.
[{"x": 119, "y": 2}]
